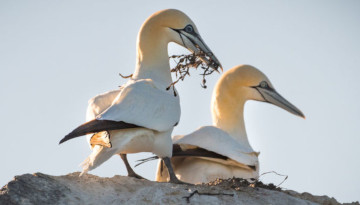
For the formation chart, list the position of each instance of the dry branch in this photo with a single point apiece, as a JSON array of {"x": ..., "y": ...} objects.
[
  {"x": 208, "y": 194},
  {"x": 185, "y": 62}
]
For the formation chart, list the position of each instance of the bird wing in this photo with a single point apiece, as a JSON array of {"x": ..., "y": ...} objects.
[
  {"x": 139, "y": 104},
  {"x": 142, "y": 103},
  {"x": 100, "y": 103},
  {"x": 193, "y": 151},
  {"x": 216, "y": 140},
  {"x": 97, "y": 126},
  {"x": 97, "y": 105}
]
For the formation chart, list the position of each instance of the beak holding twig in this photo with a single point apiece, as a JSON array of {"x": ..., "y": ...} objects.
[{"x": 194, "y": 60}]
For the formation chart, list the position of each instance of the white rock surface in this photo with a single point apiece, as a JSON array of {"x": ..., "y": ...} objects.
[{"x": 39, "y": 189}]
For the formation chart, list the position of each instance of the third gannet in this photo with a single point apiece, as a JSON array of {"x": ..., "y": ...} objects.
[
  {"x": 140, "y": 116},
  {"x": 223, "y": 150}
]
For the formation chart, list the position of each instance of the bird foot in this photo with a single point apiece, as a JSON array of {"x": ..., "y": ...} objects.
[
  {"x": 135, "y": 176},
  {"x": 177, "y": 181}
]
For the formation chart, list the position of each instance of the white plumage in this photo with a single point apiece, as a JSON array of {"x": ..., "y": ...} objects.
[
  {"x": 137, "y": 102},
  {"x": 140, "y": 116},
  {"x": 145, "y": 104},
  {"x": 242, "y": 159},
  {"x": 208, "y": 136},
  {"x": 227, "y": 137}
]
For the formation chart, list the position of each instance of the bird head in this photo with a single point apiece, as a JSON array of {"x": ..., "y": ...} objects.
[
  {"x": 250, "y": 83},
  {"x": 175, "y": 26}
]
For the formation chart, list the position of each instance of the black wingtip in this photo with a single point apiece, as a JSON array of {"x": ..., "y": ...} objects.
[
  {"x": 67, "y": 137},
  {"x": 86, "y": 128},
  {"x": 96, "y": 126},
  {"x": 62, "y": 140}
]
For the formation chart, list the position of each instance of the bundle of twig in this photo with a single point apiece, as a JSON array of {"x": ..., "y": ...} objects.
[{"x": 185, "y": 62}]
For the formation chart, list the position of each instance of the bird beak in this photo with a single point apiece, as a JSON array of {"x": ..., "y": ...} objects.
[
  {"x": 271, "y": 96},
  {"x": 195, "y": 44}
]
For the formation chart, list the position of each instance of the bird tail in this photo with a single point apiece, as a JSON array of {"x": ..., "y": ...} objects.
[{"x": 98, "y": 156}]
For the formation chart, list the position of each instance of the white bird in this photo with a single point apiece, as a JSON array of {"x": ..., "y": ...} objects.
[
  {"x": 140, "y": 116},
  {"x": 223, "y": 150}
]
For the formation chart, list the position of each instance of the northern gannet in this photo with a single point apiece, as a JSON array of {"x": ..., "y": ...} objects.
[
  {"x": 223, "y": 150},
  {"x": 140, "y": 116}
]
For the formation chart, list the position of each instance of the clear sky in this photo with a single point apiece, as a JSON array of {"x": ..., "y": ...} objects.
[{"x": 55, "y": 55}]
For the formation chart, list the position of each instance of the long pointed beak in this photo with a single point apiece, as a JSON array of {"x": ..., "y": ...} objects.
[
  {"x": 273, "y": 97},
  {"x": 195, "y": 43}
]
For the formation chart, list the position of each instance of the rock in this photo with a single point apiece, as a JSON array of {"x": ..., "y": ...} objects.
[{"x": 40, "y": 189}]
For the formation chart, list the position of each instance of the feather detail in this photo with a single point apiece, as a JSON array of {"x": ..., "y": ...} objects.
[{"x": 101, "y": 138}]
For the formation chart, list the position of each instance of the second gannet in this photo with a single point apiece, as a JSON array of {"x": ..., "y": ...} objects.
[
  {"x": 223, "y": 150},
  {"x": 140, "y": 116}
]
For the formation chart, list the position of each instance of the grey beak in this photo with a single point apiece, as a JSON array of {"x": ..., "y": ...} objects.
[
  {"x": 195, "y": 43},
  {"x": 273, "y": 97}
]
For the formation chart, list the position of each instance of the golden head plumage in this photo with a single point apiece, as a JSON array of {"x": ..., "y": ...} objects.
[
  {"x": 245, "y": 82},
  {"x": 166, "y": 26}
]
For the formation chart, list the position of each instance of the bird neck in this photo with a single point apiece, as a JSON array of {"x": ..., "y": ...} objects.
[
  {"x": 152, "y": 59},
  {"x": 228, "y": 113}
]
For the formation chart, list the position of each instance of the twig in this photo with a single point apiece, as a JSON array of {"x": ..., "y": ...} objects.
[
  {"x": 209, "y": 194},
  {"x": 286, "y": 176},
  {"x": 183, "y": 65},
  {"x": 129, "y": 76},
  {"x": 185, "y": 62},
  {"x": 146, "y": 160}
]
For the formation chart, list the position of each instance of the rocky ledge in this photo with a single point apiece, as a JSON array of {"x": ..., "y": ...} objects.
[{"x": 40, "y": 188}]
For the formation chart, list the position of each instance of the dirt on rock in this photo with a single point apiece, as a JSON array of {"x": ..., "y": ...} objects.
[{"x": 237, "y": 183}]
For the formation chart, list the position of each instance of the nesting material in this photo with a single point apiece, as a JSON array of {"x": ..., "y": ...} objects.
[
  {"x": 194, "y": 60},
  {"x": 185, "y": 62},
  {"x": 238, "y": 183}
]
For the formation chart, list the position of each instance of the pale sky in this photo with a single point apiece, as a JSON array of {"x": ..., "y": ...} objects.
[{"x": 55, "y": 55}]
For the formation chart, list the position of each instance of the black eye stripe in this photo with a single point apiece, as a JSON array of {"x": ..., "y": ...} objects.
[
  {"x": 257, "y": 88},
  {"x": 263, "y": 85}
]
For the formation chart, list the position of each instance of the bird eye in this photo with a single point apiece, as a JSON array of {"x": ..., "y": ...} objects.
[
  {"x": 189, "y": 29},
  {"x": 264, "y": 84}
]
